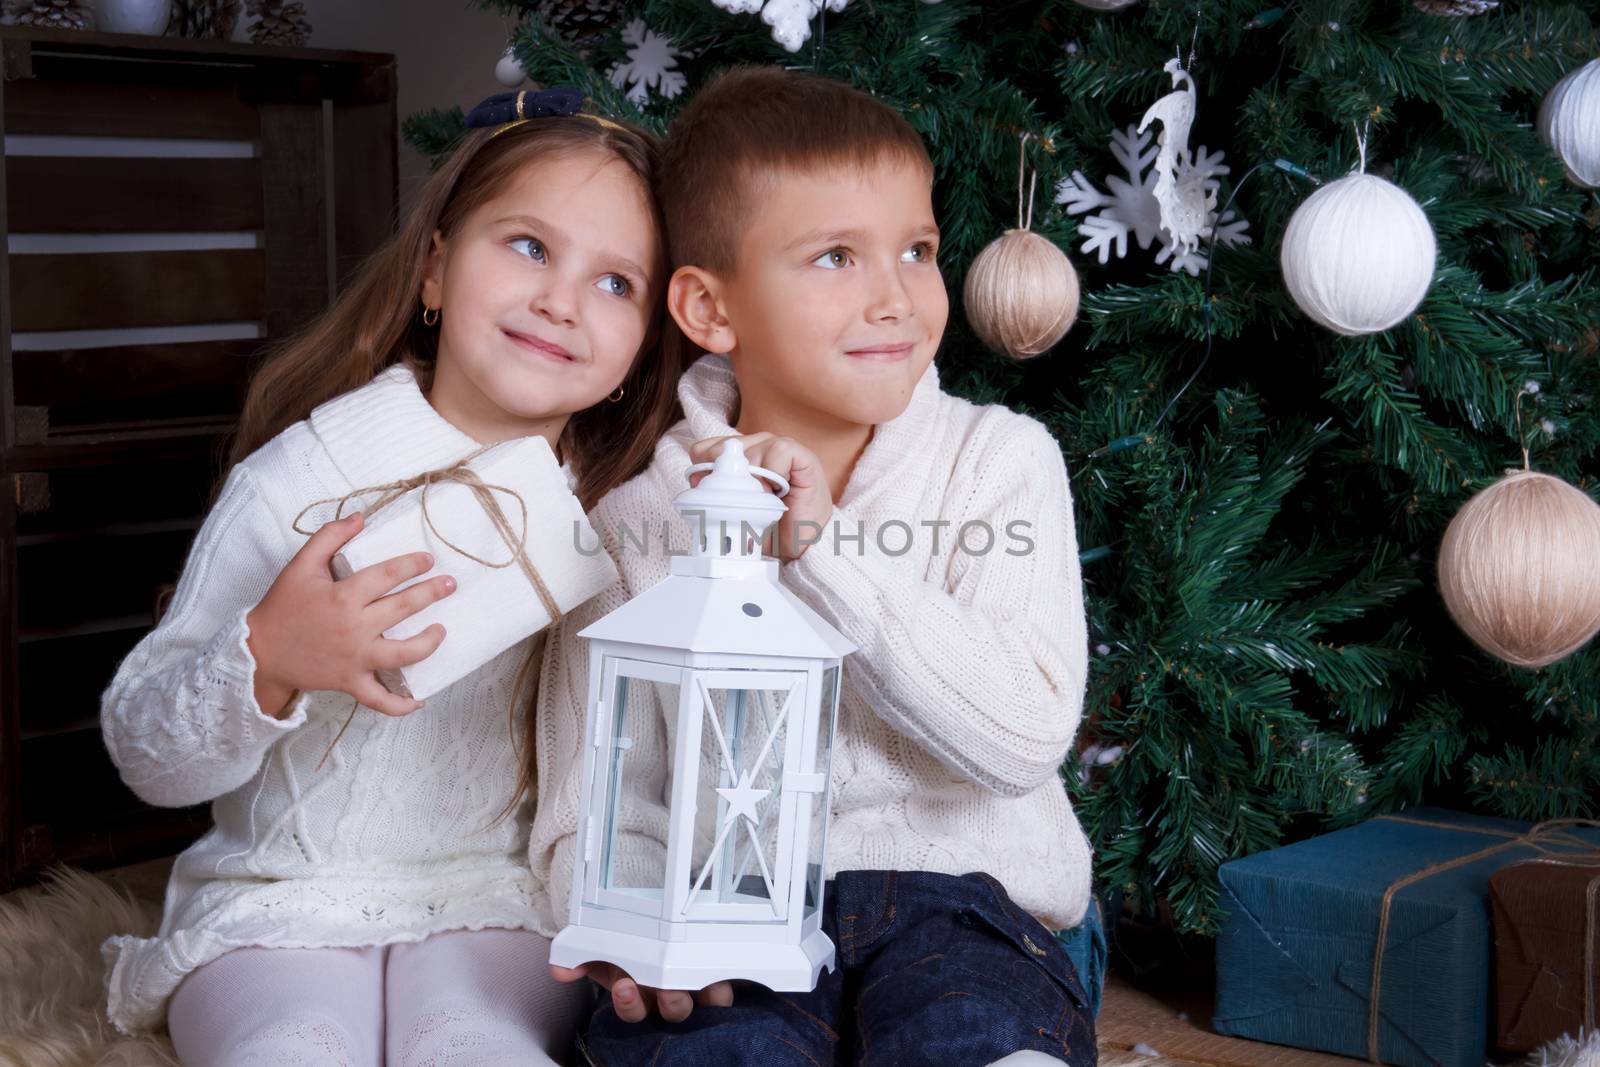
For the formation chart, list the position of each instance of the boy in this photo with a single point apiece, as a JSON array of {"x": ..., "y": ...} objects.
[{"x": 935, "y": 534}]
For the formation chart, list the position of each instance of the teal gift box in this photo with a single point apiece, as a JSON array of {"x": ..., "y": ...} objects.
[{"x": 1300, "y": 940}]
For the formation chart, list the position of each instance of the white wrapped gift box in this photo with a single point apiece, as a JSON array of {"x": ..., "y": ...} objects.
[{"x": 493, "y": 607}]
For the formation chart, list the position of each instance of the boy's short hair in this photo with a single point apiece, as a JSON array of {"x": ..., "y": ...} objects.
[{"x": 753, "y": 120}]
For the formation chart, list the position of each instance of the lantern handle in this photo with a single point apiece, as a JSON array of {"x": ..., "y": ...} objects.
[{"x": 779, "y": 481}]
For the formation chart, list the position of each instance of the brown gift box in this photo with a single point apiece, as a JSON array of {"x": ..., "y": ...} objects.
[{"x": 1546, "y": 949}]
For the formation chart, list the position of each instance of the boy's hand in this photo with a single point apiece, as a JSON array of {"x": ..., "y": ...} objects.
[
  {"x": 633, "y": 1001},
  {"x": 810, "y": 500}
]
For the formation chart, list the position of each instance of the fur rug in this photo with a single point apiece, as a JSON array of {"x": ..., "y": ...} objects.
[
  {"x": 1568, "y": 1051},
  {"x": 52, "y": 984},
  {"x": 1136, "y": 1059}
]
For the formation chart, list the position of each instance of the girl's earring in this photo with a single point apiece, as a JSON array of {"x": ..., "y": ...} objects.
[
  {"x": 616, "y": 396},
  {"x": 426, "y": 312}
]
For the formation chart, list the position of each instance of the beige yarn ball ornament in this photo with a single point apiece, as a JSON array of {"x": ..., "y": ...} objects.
[
  {"x": 1520, "y": 568},
  {"x": 1021, "y": 294}
]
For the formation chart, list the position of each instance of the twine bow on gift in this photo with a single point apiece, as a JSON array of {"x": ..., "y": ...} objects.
[
  {"x": 461, "y": 473},
  {"x": 1551, "y": 839}
]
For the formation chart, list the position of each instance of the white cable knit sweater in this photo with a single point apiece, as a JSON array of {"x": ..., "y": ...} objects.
[
  {"x": 396, "y": 836},
  {"x": 963, "y": 700}
]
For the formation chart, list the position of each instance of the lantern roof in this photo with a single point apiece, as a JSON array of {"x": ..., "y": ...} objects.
[
  {"x": 724, "y": 597},
  {"x": 740, "y": 614}
]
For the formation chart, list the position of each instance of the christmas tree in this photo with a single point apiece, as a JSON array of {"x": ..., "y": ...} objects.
[{"x": 1260, "y": 499}]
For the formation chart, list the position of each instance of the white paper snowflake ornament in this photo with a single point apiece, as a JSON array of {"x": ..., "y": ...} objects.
[
  {"x": 651, "y": 64},
  {"x": 1131, "y": 202},
  {"x": 790, "y": 19},
  {"x": 1131, "y": 206}
]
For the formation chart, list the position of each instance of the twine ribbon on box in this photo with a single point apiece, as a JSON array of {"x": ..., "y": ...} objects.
[
  {"x": 461, "y": 473},
  {"x": 1550, "y": 838}
]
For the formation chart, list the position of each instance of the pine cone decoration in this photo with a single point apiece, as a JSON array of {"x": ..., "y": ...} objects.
[
  {"x": 53, "y": 14},
  {"x": 206, "y": 19},
  {"x": 583, "y": 22},
  {"x": 279, "y": 23},
  {"x": 1455, "y": 8}
]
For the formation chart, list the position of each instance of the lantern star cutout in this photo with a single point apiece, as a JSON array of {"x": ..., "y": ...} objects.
[{"x": 743, "y": 798}]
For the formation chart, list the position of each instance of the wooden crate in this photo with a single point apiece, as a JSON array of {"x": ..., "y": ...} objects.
[{"x": 169, "y": 207}]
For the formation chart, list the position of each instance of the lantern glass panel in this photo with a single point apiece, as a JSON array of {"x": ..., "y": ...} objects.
[
  {"x": 743, "y": 737},
  {"x": 823, "y": 764},
  {"x": 636, "y": 710}
]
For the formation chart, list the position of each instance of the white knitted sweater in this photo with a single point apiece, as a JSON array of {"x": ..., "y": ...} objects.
[
  {"x": 963, "y": 700},
  {"x": 395, "y": 837}
]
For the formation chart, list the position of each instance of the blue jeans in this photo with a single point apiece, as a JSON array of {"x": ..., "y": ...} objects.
[
  {"x": 1087, "y": 948},
  {"x": 932, "y": 969}
]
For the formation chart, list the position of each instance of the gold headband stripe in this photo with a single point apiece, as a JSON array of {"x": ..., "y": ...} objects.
[{"x": 521, "y": 118}]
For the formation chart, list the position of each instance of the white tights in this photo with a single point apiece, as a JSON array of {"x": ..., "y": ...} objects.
[{"x": 452, "y": 1000}]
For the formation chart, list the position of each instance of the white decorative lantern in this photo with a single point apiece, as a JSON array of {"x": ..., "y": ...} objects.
[
  {"x": 741, "y": 679},
  {"x": 1569, "y": 122},
  {"x": 1358, "y": 255}
]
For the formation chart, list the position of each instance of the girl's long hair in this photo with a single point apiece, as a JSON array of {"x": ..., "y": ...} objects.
[{"x": 376, "y": 322}]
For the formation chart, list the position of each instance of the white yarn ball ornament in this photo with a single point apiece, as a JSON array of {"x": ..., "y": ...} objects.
[
  {"x": 1358, "y": 255},
  {"x": 1021, "y": 294},
  {"x": 1569, "y": 122},
  {"x": 508, "y": 71},
  {"x": 1519, "y": 568}
]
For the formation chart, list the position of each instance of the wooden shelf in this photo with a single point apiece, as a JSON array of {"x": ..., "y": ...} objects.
[
  {"x": 71, "y": 726},
  {"x": 118, "y": 491},
  {"x": 109, "y": 624},
  {"x": 122, "y": 446},
  {"x": 61, "y": 684},
  {"x": 112, "y": 530},
  {"x": 136, "y": 443},
  {"x": 147, "y": 46}
]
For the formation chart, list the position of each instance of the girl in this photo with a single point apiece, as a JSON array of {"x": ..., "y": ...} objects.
[{"x": 378, "y": 907}]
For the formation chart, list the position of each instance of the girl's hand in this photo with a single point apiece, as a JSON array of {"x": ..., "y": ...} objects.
[
  {"x": 311, "y": 632},
  {"x": 634, "y": 1001},
  {"x": 810, "y": 501}
]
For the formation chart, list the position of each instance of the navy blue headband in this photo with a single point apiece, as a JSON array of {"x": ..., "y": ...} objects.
[{"x": 511, "y": 109}]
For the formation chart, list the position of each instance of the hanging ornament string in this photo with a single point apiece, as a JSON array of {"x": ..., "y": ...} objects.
[
  {"x": 1025, "y": 223},
  {"x": 1194, "y": 40},
  {"x": 1124, "y": 443},
  {"x": 1211, "y": 264},
  {"x": 1529, "y": 388},
  {"x": 819, "y": 38},
  {"x": 1361, "y": 145}
]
